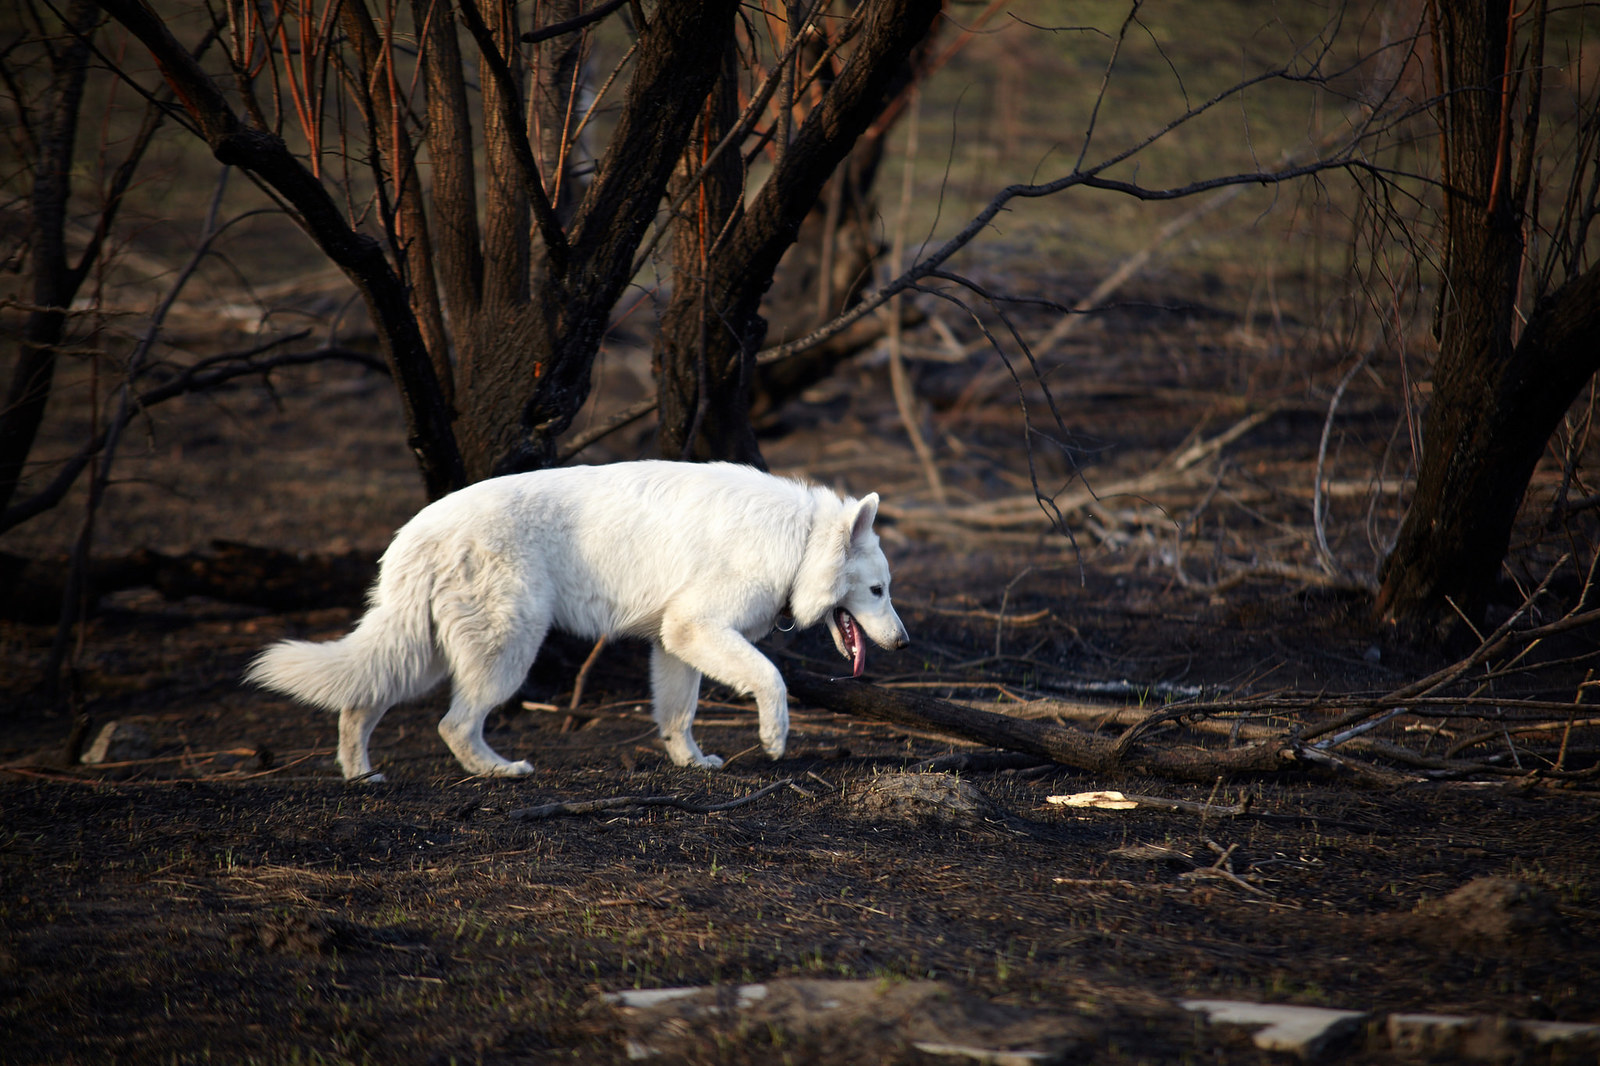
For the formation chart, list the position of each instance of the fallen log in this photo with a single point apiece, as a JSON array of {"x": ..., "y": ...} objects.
[
  {"x": 1070, "y": 747},
  {"x": 31, "y": 588}
]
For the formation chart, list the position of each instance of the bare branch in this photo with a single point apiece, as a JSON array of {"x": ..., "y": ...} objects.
[{"x": 572, "y": 25}]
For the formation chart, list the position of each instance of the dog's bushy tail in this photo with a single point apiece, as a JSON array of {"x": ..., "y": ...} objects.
[{"x": 387, "y": 658}]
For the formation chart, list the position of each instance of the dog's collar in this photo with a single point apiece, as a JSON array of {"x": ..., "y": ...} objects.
[{"x": 785, "y": 615}]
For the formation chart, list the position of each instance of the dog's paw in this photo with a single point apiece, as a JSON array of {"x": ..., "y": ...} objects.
[
  {"x": 775, "y": 747},
  {"x": 683, "y": 751},
  {"x": 520, "y": 768},
  {"x": 373, "y": 778}
]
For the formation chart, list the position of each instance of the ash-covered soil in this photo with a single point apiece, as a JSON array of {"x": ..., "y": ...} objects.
[{"x": 223, "y": 897}]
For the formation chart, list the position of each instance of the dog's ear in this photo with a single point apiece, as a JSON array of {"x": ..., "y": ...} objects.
[{"x": 861, "y": 523}]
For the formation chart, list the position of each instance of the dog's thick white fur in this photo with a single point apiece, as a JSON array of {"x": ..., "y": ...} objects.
[{"x": 699, "y": 558}]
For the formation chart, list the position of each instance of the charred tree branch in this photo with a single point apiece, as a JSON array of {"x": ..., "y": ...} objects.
[{"x": 572, "y": 25}]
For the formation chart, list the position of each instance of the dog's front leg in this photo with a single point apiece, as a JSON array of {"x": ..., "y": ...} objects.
[
  {"x": 676, "y": 688},
  {"x": 725, "y": 655}
]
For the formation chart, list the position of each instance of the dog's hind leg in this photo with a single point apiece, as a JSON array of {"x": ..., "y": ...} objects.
[
  {"x": 355, "y": 730},
  {"x": 483, "y": 688},
  {"x": 462, "y": 730},
  {"x": 356, "y": 723},
  {"x": 676, "y": 687},
  {"x": 470, "y": 703},
  {"x": 489, "y": 648}
]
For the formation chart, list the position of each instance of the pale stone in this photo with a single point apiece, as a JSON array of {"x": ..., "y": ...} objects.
[
  {"x": 986, "y": 1056},
  {"x": 1480, "y": 1038},
  {"x": 876, "y": 1015},
  {"x": 1561, "y": 1032},
  {"x": 1303, "y": 1031}
]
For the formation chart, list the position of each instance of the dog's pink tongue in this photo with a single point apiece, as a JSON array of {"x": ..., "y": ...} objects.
[{"x": 860, "y": 649}]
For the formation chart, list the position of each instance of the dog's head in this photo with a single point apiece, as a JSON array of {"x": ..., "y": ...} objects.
[{"x": 862, "y": 602}]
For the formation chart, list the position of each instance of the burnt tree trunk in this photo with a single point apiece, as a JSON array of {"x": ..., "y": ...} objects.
[
  {"x": 400, "y": 187},
  {"x": 741, "y": 265},
  {"x": 702, "y": 362},
  {"x": 504, "y": 337},
  {"x": 524, "y": 267},
  {"x": 55, "y": 281},
  {"x": 677, "y": 65},
  {"x": 822, "y": 276},
  {"x": 831, "y": 262},
  {"x": 525, "y": 334},
  {"x": 1498, "y": 395}
]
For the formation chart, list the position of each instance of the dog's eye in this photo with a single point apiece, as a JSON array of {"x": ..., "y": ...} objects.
[{"x": 876, "y": 590}]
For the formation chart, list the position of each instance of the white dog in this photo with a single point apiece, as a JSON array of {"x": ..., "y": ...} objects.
[{"x": 700, "y": 558}]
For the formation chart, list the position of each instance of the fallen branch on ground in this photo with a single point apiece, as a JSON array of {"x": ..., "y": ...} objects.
[
  {"x": 1063, "y": 744},
  {"x": 1304, "y": 730}
]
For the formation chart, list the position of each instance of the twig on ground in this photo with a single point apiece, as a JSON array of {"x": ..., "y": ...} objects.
[
  {"x": 1218, "y": 874},
  {"x": 1561, "y": 758},
  {"x": 1361, "y": 727},
  {"x": 583, "y": 673},
  {"x": 1177, "y": 470},
  {"x": 187, "y": 757},
  {"x": 37, "y": 773},
  {"x": 741, "y": 754},
  {"x": 1222, "y": 869},
  {"x": 980, "y": 762},
  {"x": 1005, "y": 597},
  {"x": 1031, "y": 618},
  {"x": 1324, "y": 553}
]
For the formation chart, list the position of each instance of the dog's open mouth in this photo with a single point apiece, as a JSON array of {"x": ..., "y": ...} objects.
[{"x": 847, "y": 635}]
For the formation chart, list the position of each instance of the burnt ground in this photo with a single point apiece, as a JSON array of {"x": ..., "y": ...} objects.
[{"x": 225, "y": 897}]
